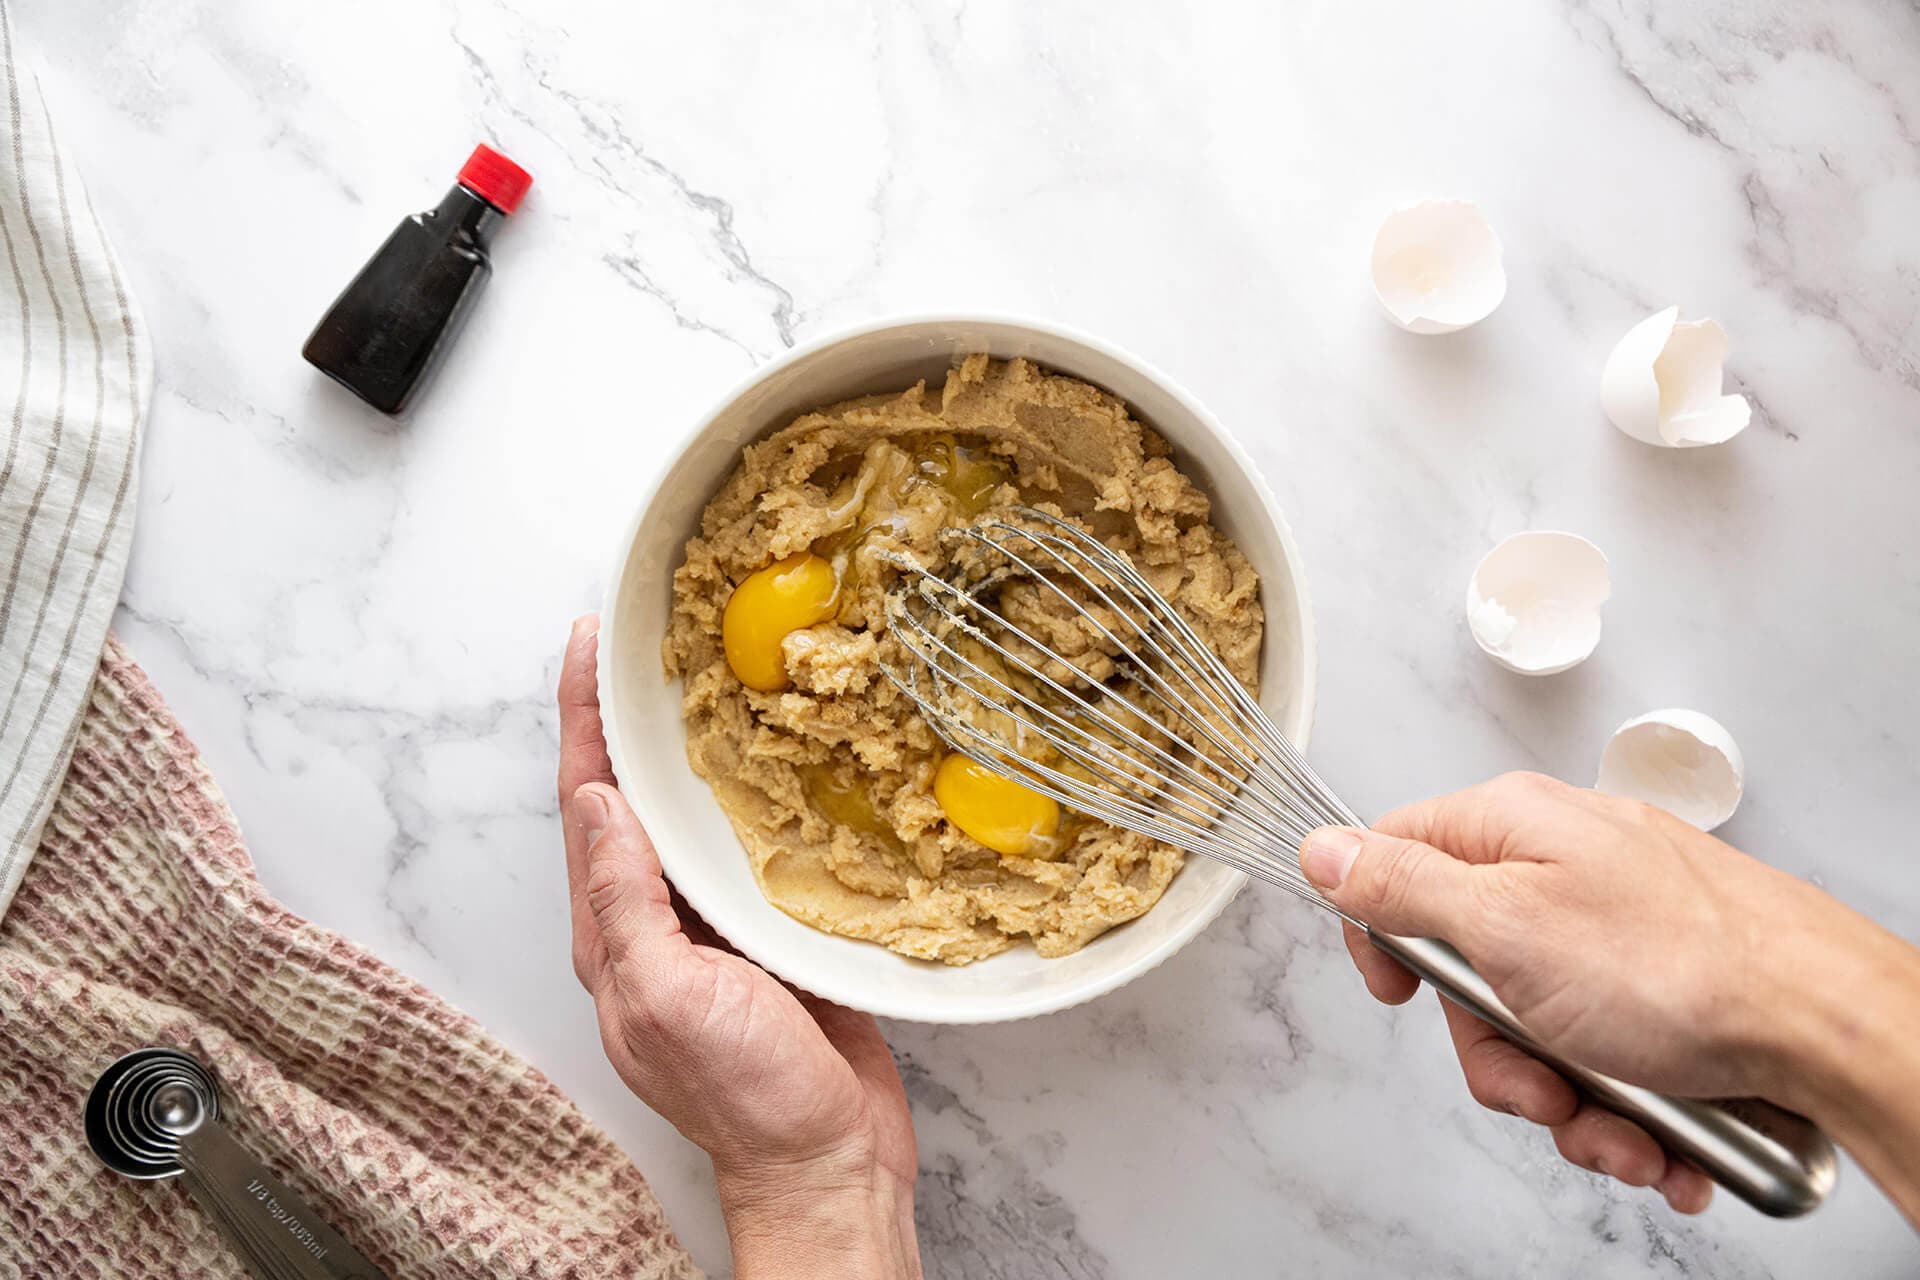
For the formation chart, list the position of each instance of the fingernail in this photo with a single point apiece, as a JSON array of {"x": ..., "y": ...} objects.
[
  {"x": 590, "y": 811},
  {"x": 1330, "y": 854},
  {"x": 585, "y": 626}
]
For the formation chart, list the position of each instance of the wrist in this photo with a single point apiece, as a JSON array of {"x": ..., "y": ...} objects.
[
  {"x": 1837, "y": 998},
  {"x": 1845, "y": 1033},
  {"x": 835, "y": 1215}
]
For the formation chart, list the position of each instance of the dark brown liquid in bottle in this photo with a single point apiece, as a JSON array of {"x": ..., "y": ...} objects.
[{"x": 393, "y": 324}]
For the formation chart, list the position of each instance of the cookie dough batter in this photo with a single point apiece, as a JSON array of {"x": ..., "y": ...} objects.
[{"x": 823, "y": 767}]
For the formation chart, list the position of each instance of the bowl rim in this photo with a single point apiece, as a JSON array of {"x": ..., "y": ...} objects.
[{"x": 1309, "y": 654}]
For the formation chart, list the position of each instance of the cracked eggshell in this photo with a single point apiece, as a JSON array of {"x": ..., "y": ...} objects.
[
  {"x": 1437, "y": 266},
  {"x": 1662, "y": 384},
  {"x": 1683, "y": 761},
  {"x": 1533, "y": 603}
]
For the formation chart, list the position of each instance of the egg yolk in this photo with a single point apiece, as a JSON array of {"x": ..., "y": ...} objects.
[
  {"x": 848, "y": 803},
  {"x": 971, "y": 476},
  {"x": 1008, "y": 818},
  {"x": 788, "y": 595}
]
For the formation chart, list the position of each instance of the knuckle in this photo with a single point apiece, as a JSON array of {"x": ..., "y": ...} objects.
[
  {"x": 1523, "y": 784},
  {"x": 1402, "y": 822},
  {"x": 1651, "y": 817},
  {"x": 1633, "y": 818},
  {"x": 1510, "y": 805},
  {"x": 1386, "y": 879},
  {"x": 1637, "y": 816},
  {"x": 605, "y": 886}
]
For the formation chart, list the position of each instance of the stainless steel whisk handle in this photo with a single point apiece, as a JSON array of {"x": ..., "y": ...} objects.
[{"x": 1775, "y": 1160}]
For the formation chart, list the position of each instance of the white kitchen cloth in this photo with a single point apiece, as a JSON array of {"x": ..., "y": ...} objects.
[{"x": 75, "y": 377}]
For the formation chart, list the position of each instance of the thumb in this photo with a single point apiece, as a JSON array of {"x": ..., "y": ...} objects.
[
  {"x": 625, "y": 890},
  {"x": 1398, "y": 886}
]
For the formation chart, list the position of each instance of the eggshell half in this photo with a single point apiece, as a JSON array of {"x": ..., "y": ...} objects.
[
  {"x": 1683, "y": 761},
  {"x": 1533, "y": 603},
  {"x": 1662, "y": 383},
  {"x": 1437, "y": 266}
]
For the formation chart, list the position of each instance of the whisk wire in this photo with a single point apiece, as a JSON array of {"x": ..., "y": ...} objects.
[
  {"x": 1119, "y": 810},
  {"x": 1216, "y": 679},
  {"x": 1211, "y": 803},
  {"x": 1209, "y": 772},
  {"x": 1263, "y": 728},
  {"x": 1156, "y": 686}
]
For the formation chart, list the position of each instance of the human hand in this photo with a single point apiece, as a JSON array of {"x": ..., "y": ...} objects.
[
  {"x": 795, "y": 1099},
  {"x": 1625, "y": 940}
]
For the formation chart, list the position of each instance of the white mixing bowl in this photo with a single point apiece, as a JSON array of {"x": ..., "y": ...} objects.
[{"x": 641, "y": 708}]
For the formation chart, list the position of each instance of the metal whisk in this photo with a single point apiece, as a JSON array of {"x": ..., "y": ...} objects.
[{"x": 1135, "y": 721}]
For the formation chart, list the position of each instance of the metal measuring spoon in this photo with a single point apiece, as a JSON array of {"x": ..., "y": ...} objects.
[{"x": 155, "y": 1113}]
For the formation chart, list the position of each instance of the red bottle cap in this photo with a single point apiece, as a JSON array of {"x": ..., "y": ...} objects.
[{"x": 494, "y": 178}]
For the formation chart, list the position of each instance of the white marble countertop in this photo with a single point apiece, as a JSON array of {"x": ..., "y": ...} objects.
[{"x": 360, "y": 622}]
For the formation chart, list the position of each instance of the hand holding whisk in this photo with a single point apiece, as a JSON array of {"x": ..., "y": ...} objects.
[{"x": 1135, "y": 721}]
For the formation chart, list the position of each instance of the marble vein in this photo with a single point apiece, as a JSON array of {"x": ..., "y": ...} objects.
[
  {"x": 359, "y": 620},
  {"x": 612, "y": 144}
]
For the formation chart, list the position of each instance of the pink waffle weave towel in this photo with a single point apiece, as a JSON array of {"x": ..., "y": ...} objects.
[{"x": 139, "y": 922}]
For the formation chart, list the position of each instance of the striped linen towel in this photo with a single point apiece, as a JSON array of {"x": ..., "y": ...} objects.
[{"x": 75, "y": 352}]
